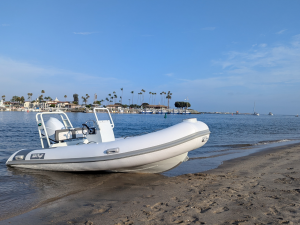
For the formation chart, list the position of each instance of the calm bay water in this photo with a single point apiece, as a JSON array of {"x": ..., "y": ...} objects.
[{"x": 231, "y": 136}]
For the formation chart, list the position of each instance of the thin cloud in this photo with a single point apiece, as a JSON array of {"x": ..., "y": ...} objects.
[
  {"x": 169, "y": 74},
  {"x": 278, "y": 65},
  {"x": 296, "y": 41},
  {"x": 26, "y": 76},
  {"x": 208, "y": 28},
  {"x": 263, "y": 45},
  {"x": 281, "y": 31},
  {"x": 85, "y": 33}
]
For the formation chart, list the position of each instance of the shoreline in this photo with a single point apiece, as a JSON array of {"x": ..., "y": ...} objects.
[
  {"x": 124, "y": 113},
  {"x": 262, "y": 187}
]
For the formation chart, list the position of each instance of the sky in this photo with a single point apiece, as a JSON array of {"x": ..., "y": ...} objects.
[{"x": 220, "y": 55}]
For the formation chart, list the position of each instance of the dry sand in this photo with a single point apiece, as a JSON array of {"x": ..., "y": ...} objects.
[{"x": 262, "y": 188}]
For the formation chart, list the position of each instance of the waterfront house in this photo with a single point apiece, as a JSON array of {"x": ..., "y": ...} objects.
[{"x": 155, "y": 106}]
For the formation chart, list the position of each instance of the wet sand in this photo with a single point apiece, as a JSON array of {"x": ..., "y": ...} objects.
[{"x": 262, "y": 188}]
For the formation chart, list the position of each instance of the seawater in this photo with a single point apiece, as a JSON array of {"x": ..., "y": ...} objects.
[{"x": 231, "y": 136}]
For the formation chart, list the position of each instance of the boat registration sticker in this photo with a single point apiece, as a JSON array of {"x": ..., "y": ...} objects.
[{"x": 37, "y": 156}]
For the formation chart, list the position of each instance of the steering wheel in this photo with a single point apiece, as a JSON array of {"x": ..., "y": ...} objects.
[{"x": 87, "y": 127}]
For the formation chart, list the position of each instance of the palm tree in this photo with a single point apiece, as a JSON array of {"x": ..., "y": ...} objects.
[
  {"x": 122, "y": 95},
  {"x": 114, "y": 93},
  {"x": 115, "y": 96},
  {"x": 29, "y": 96},
  {"x": 22, "y": 99},
  {"x": 42, "y": 93},
  {"x": 169, "y": 96},
  {"x": 87, "y": 96},
  {"x": 85, "y": 99},
  {"x": 141, "y": 98},
  {"x": 164, "y": 93},
  {"x": 107, "y": 100},
  {"x": 41, "y": 96},
  {"x": 161, "y": 97},
  {"x": 150, "y": 97},
  {"x": 143, "y": 94},
  {"x": 132, "y": 96},
  {"x": 3, "y": 97},
  {"x": 65, "y": 97}
]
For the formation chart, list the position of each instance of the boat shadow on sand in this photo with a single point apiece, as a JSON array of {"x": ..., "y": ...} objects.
[{"x": 35, "y": 188}]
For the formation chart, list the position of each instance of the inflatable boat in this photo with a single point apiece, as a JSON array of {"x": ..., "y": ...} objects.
[{"x": 93, "y": 147}]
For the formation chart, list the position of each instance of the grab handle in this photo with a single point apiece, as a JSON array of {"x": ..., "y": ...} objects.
[{"x": 111, "y": 120}]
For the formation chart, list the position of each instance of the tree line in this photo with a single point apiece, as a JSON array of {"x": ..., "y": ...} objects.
[{"x": 111, "y": 98}]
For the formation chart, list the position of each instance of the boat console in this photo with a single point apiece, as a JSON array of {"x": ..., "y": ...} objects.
[{"x": 55, "y": 133}]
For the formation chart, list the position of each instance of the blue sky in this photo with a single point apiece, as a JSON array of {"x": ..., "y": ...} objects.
[{"x": 222, "y": 55}]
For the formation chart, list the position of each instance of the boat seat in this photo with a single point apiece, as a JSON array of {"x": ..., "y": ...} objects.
[
  {"x": 68, "y": 134},
  {"x": 106, "y": 131}
]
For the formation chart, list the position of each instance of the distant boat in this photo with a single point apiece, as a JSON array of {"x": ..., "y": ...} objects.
[
  {"x": 270, "y": 114},
  {"x": 146, "y": 112},
  {"x": 161, "y": 111},
  {"x": 174, "y": 111},
  {"x": 255, "y": 113},
  {"x": 297, "y": 115},
  {"x": 186, "y": 112}
]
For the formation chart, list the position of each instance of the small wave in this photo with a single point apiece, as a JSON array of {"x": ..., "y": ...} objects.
[
  {"x": 254, "y": 144},
  {"x": 272, "y": 142},
  {"x": 235, "y": 145},
  {"x": 208, "y": 157}
]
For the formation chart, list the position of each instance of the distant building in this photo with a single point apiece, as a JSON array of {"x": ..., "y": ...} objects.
[
  {"x": 47, "y": 104},
  {"x": 115, "y": 106},
  {"x": 2, "y": 106},
  {"x": 156, "y": 106}
]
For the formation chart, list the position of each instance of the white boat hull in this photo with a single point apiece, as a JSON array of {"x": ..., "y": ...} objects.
[
  {"x": 151, "y": 153},
  {"x": 156, "y": 167}
]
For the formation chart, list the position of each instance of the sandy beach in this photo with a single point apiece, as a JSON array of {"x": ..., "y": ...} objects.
[{"x": 262, "y": 188}]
